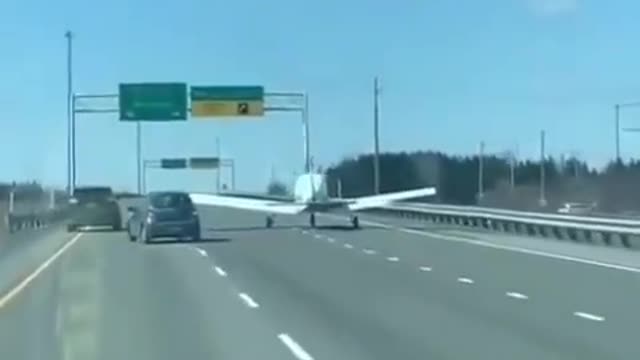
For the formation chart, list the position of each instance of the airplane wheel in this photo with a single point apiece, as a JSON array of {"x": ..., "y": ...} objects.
[
  {"x": 355, "y": 222},
  {"x": 269, "y": 222},
  {"x": 312, "y": 220}
]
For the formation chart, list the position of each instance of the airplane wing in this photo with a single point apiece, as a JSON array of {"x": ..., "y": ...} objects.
[
  {"x": 372, "y": 201},
  {"x": 243, "y": 203},
  {"x": 259, "y": 196}
]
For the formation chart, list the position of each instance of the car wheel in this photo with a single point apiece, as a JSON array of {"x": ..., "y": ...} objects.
[{"x": 144, "y": 235}]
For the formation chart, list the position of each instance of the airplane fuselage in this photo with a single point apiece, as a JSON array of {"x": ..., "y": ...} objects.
[{"x": 311, "y": 188}]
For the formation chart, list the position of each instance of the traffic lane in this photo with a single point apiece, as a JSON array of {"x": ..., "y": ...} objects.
[
  {"x": 28, "y": 322},
  {"x": 23, "y": 252},
  {"x": 592, "y": 251},
  {"x": 342, "y": 303},
  {"x": 180, "y": 307},
  {"x": 566, "y": 288},
  {"x": 107, "y": 298}
]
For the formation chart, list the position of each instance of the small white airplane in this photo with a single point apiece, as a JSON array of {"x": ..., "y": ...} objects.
[{"x": 310, "y": 196}]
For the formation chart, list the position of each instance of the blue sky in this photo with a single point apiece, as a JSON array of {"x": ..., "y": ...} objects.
[{"x": 453, "y": 73}]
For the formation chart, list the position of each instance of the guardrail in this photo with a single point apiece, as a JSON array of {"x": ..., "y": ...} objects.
[
  {"x": 33, "y": 220},
  {"x": 607, "y": 231}
]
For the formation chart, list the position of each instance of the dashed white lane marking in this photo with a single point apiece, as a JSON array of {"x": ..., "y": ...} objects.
[
  {"x": 305, "y": 232},
  {"x": 331, "y": 240},
  {"x": 508, "y": 248},
  {"x": 465, "y": 280},
  {"x": 425, "y": 268},
  {"x": 293, "y": 346},
  {"x": 248, "y": 300},
  {"x": 318, "y": 236},
  {"x": 517, "y": 295},
  {"x": 201, "y": 252},
  {"x": 392, "y": 258},
  {"x": 24, "y": 283},
  {"x": 588, "y": 316},
  {"x": 219, "y": 271},
  {"x": 348, "y": 246},
  {"x": 369, "y": 251}
]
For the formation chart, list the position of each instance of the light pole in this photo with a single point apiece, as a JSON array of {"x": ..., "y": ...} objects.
[
  {"x": 70, "y": 126},
  {"x": 219, "y": 160},
  {"x": 617, "y": 108},
  {"x": 305, "y": 133},
  {"x": 376, "y": 137},
  {"x": 543, "y": 200},
  {"x": 139, "y": 155},
  {"x": 481, "y": 172}
]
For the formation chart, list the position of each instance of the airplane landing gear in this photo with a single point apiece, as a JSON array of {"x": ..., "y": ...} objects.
[
  {"x": 269, "y": 222},
  {"x": 312, "y": 220},
  {"x": 355, "y": 222}
]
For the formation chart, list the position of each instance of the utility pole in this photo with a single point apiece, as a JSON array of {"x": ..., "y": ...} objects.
[
  {"x": 376, "y": 137},
  {"x": 543, "y": 200},
  {"x": 512, "y": 170},
  {"x": 70, "y": 126},
  {"x": 617, "y": 130},
  {"x": 219, "y": 155},
  {"x": 306, "y": 135},
  {"x": 139, "y": 154},
  {"x": 481, "y": 172}
]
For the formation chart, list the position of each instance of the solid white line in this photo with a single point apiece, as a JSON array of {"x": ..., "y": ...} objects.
[
  {"x": 369, "y": 251},
  {"x": 465, "y": 280},
  {"x": 517, "y": 295},
  {"x": 348, "y": 246},
  {"x": 293, "y": 346},
  {"x": 4, "y": 300},
  {"x": 220, "y": 271},
  {"x": 201, "y": 252},
  {"x": 392, "y": 258},
  {"x": 248, "y": 300},
  {"x": 588, "y": 316},
  {"x": 425, "y": 268},
  {"x": 510, "y": 248}
]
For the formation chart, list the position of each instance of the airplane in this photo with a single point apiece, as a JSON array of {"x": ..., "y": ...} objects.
[{"x": 310, "y": 196}]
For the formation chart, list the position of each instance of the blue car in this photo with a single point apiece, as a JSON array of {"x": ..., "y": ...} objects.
[{"x": 164, "y": 214}]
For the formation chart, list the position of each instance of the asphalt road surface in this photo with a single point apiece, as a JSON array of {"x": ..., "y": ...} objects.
[{"x": 392, "y": 290}]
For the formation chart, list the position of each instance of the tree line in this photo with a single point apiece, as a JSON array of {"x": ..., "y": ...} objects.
[{"x": 506, "y": 182}]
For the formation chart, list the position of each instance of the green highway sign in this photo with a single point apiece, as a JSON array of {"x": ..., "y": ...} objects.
[
  {"x": 153, "y": 102},
  {"x": 204, "y": 163},
  {"x": 173, "y": 163},
  {"x": 229, "y": 101}
]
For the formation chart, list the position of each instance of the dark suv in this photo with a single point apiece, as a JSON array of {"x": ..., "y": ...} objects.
[{"x": 94, "y": 206}]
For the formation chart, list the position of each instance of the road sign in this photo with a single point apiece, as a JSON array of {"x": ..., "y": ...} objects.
[
  {"x": 204, "y": 163},
  {"x": 216, "y": 101},
  {"x": 153, "y": 102},
  {"x": 173, "y": 163}
]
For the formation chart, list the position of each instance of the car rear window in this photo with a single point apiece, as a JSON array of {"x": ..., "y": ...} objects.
[
  {"x": 169, "y": 200},
  {"x": 84, "y": 195}
]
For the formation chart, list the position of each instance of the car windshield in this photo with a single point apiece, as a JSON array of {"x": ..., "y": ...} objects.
[
  {"x": 84, "y": 195},
  {"x": 170, "y": 201}
]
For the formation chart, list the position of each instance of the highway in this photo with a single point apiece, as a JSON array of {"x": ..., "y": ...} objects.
[{"x": 395, "y": 289}]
